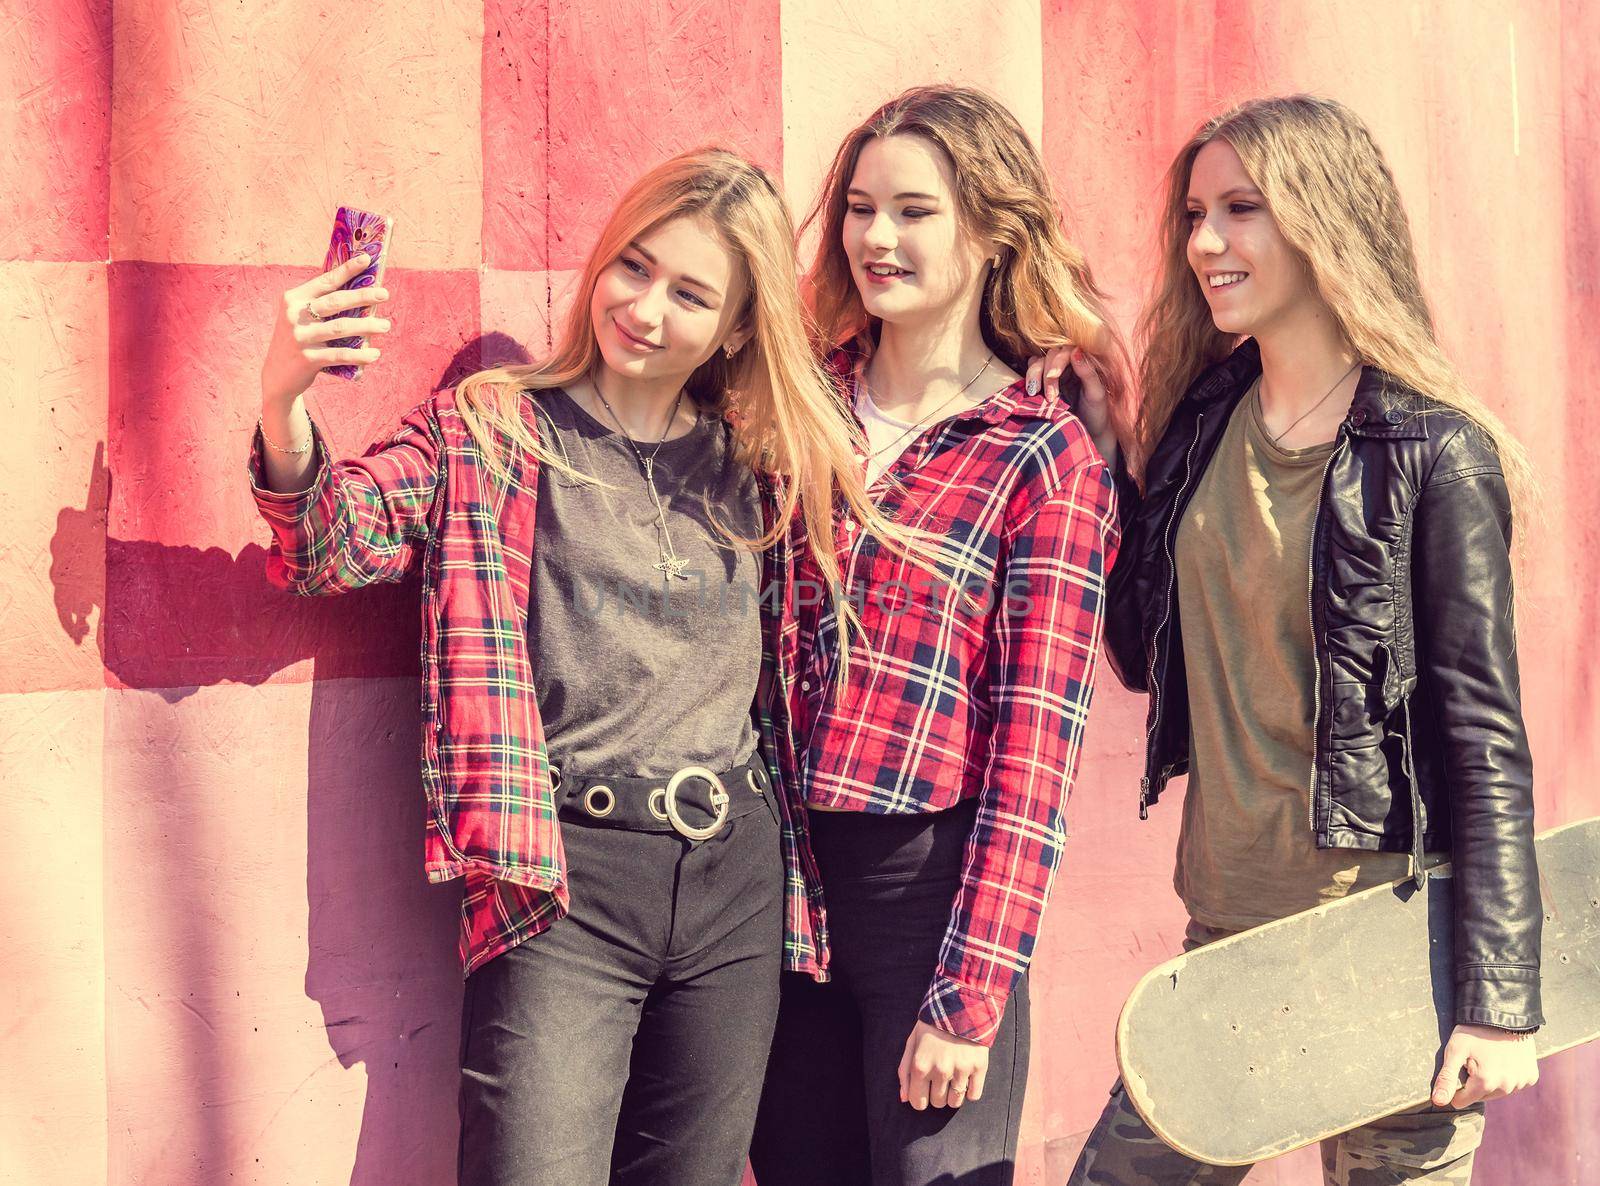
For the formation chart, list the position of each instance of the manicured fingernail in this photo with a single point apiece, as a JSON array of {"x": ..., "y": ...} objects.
[{"x": 1033, "y": 385}]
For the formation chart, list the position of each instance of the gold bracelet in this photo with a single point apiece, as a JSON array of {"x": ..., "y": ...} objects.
[{"x": 305, "y": 448}]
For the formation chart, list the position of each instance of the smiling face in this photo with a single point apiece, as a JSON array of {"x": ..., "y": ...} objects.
[
  {"x": 668, "y": 301},
  {"x": 1251, "y": 276},
  {"x": 909, "y": 254}
]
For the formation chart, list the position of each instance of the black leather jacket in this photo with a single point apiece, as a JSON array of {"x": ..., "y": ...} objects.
[{"x": 1419, "y": 740}]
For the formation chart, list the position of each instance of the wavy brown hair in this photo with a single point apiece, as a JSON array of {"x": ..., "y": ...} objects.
[
  {"x": 1330, "y": 191},
  {"x": 785, "y": 413},
  {"x": 1042, "y": 295}
]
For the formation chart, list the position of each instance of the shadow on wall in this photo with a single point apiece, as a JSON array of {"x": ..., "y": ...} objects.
[
  {"x": 180, "y": 618},
  {"x": 381, "y": 943},
  {"x": 381, "y": 986}
]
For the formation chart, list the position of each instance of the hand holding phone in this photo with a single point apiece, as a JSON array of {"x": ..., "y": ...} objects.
[
  {"x": 326, "y": 323},
  {"x": 357, "y": 232}
]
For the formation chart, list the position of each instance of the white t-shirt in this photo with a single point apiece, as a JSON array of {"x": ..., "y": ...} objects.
[{"x": 887, "y": 436}]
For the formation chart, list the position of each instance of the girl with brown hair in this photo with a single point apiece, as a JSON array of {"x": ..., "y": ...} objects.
[{"x": 934, "y": 770}]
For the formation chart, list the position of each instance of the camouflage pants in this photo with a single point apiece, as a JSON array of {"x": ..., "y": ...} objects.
[{"x": 1427, "y": 1146}]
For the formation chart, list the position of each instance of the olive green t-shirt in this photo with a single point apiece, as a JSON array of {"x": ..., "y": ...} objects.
[{"x": 1246, "y": 852}]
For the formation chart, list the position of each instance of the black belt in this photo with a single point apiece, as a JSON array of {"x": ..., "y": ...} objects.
[{"x": 694, "y": 802}]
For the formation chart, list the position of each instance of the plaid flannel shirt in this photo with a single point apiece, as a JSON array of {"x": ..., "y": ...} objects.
[
  {"x": 948, "y": 700},
  {"x": 426, "y": 501}
]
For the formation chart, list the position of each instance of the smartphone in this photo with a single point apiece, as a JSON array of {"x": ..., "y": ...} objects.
[{"x": 355, "y": 231}]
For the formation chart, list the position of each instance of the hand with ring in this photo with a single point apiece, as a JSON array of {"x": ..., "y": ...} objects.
[
  {"x": 311, "y": 315},
  {"x": 941, "y": 1070}
]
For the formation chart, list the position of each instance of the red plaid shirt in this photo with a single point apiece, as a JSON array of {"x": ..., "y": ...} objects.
[
  {"x": 957, "y": 701},
  {"x": 425, "y": 500}
]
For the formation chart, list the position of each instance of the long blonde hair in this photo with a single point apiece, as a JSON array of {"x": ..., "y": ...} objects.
[
  {"x": 1333, "y": 197},
  {"x": 1042, "y": 295},
  {"x": 786, "y": 416}
]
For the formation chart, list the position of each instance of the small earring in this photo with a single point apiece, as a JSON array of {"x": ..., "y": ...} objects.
[
  {"x": 729, "y": 351},
  {"x": 995, "y": 262}
]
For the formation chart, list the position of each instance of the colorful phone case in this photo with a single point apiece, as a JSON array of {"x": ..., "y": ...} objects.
[{"x": 356, "y": 231}]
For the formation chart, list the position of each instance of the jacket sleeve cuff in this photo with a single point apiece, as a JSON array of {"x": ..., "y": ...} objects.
[
  {"x": 1505, "y": 996},
  {"x": 962, "y": 1011},
  {"x": 282, "y": 507}
]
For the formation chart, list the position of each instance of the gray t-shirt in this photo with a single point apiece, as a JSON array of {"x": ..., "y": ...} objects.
[{"x": 638, "y": 674}]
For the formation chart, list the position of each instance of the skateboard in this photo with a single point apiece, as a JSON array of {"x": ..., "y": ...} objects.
[{"x": 1321, "y": 1022}]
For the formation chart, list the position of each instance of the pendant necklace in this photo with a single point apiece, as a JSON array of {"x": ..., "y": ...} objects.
[{"x": 670, "y": 564}]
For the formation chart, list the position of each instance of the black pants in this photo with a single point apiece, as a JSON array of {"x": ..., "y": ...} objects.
[
  {"x": 831, "y": 1110},
  {"x": 626, "y": 1043}
]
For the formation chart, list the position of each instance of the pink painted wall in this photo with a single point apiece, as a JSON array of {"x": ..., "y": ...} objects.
[{"x": 222, "y": 961}]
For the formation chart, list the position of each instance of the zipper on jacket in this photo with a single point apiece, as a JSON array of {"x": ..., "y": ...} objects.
[
  {"x": 1316, "y": 658},
  {"x": 1166, "y": 617}
]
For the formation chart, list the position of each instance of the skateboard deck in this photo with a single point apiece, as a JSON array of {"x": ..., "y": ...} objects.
[{"x": 1261, "y": 1043}]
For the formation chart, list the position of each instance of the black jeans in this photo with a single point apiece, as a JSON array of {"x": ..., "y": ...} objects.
[
  {"x": 626, "y": 1043},
  {"x": 831, "y": 1110}
]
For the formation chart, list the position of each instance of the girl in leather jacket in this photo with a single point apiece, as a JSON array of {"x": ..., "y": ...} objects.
[{"x": 1314, "y": 587}]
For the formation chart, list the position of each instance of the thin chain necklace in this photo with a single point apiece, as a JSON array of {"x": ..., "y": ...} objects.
[
  {"x": 670, "y": 563},
  {"x": 877, "y": 453},
  {"x": 1261, "y": 408}
]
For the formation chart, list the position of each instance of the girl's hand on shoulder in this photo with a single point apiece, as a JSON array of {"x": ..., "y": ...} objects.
[
  {"x": 1497, "y": 1062},
  {"x": 1044, "y": 374},
  {"x": 940, "y": 1069}
]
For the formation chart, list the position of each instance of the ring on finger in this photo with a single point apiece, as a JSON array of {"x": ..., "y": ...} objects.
[{"x": 308, "y": 316}]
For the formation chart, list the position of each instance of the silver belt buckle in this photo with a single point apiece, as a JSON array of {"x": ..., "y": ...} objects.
[{"x": 719, "y": 803}]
